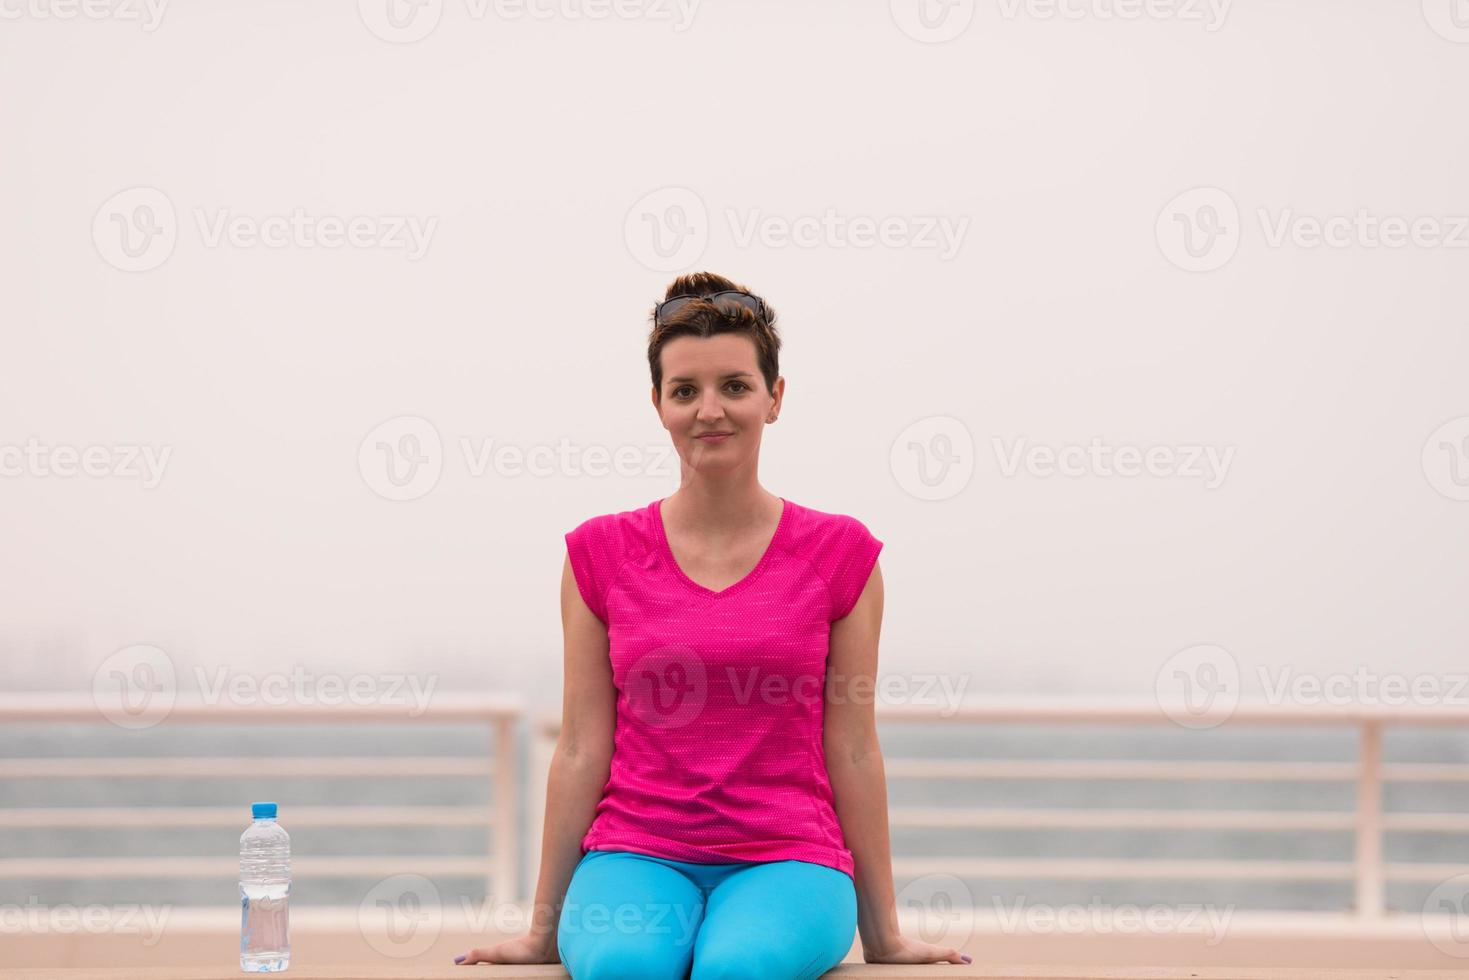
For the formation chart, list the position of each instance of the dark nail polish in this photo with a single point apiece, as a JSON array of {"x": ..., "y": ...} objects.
[{"x": 459, "y": 959}]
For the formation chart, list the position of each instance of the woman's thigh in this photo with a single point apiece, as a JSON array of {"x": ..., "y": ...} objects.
[
  {"x": 625, "y": 918},
  {"x": 781, "y": 920}
]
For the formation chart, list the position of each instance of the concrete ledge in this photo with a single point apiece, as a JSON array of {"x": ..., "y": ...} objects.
[
  {"x": 844, "y": 972},
  {"x": 341, "y": 940}
]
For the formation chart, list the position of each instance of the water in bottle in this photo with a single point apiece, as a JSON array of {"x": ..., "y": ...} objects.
[{"x": 265, "y": 890}]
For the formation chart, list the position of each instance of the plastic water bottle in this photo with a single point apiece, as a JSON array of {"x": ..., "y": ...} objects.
[{"x": 265, "y": 891}]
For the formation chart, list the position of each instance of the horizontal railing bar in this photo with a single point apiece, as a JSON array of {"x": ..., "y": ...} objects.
[
  {"x": 82, "y": 868},
  {"x": 1110, "y": 819},
  {"x": 1423, "y": 871},
  {"x": 402, "y": 705},
  {"x": 229, "y": 767},
  {"x": 1254, "y": 820},
  {"x": 1142, "y": 869},
  {"x": 1182, "y": 770},
  {"x": 1426, "y": 772},
  {"x": 1094, "y": 710},
  {"x": 1448, "y": 823},
  {"x": 231, "y": 816},
  {"x": 474, "y": 816},
  {"x": 1149, "y": 711},
  {"x": 1071, "y": 869},
  {"x": 1142, "y": 769},
  {"x": 224, "y": 767},
  {"x": 1134, "y": 711}
]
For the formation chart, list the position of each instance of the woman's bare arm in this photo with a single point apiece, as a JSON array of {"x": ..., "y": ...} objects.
[
  {"x": 859, "y": 782},
  {"x": 583, "y": 757},
  {"x": 579, "y": 771},
  {"x": 854, "y": 764}
]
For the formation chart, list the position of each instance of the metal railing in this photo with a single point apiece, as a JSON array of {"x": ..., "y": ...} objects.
[
  {"x": 503, "y": 869},
  {"x": 502, "y": 715},
  {"x": 1368, "y": 872}
]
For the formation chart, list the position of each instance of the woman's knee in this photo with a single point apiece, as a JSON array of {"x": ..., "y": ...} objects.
[
  {"x": 611, "y": 962},
  {"x": 747, "y": 962},
  {"x": 639, "y": 948}
]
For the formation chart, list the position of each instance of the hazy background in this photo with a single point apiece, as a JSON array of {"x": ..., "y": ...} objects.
[
  {"x": 1130, "y": 203},
  {"x": 533, "y": 144}
]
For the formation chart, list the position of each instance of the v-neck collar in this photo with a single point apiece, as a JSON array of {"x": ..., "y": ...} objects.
[{"x": 770, "y": 549}]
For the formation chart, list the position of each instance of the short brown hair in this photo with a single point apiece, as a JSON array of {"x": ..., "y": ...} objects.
[{"x": 704, "y": 319}]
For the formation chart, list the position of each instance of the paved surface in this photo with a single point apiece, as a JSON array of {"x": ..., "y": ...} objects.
[{"x": 844, "y": 972}]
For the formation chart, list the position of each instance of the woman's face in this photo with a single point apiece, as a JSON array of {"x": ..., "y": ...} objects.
[{"x": 713, "y": 385}]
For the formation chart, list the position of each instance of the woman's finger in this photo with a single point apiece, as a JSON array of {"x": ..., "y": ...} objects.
[{"x": 949, "y": 956}]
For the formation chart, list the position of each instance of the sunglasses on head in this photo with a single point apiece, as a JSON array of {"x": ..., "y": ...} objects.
[{"x": 727, "y": 301}]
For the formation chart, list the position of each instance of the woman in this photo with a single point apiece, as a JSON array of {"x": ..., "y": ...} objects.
[{"x": 716, "y": 804}]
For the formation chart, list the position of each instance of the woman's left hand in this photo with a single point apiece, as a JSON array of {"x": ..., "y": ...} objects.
[{"x": 905, "y": 950}]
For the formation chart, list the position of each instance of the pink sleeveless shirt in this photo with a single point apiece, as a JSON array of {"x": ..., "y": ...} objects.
[{"x": 718, "y": 754}]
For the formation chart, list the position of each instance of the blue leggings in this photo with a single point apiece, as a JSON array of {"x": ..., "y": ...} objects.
[{"x": 630, "y": 916}]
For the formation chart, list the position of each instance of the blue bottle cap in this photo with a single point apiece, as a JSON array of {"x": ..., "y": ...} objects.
[{"x": 258, "y": 810}]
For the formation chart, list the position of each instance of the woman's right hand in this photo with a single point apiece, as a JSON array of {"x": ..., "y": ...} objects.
[{"x": 526, "y": 949}]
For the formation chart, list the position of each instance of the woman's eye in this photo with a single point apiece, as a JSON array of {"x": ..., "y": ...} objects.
[{"x": 740, "y": 388}]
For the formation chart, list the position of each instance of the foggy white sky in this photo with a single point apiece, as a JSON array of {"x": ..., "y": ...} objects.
[{"x": 1062, "y": 317}]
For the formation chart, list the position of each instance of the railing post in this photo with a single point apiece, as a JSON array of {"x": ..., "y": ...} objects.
[
  {"x": 1369, "y": 821},
  {"x": 505, "y": 880},
  {"x": 537, "y": 783}
]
